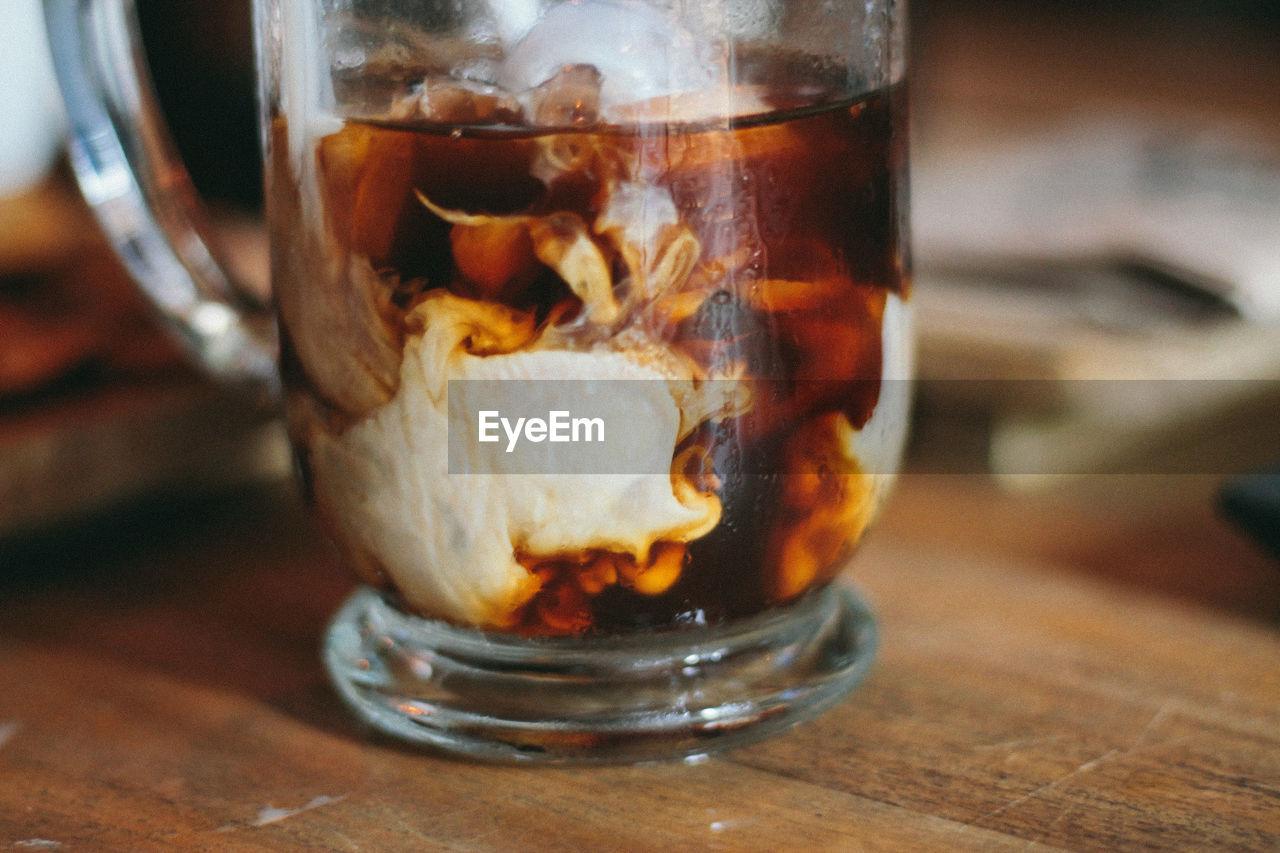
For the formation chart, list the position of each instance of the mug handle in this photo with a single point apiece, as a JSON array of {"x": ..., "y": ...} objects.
[{"x": 140, "y": 192}]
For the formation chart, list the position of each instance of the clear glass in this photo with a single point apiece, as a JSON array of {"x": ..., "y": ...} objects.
[
  {"x": 689, "y": 219},
  {"x": 132, "y": 178}
]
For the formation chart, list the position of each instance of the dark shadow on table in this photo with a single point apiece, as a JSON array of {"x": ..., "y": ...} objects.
[{"x": 231, "y": 591}]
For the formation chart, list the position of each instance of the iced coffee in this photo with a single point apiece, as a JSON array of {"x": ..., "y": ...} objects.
[{"x": 735, "y": 250}]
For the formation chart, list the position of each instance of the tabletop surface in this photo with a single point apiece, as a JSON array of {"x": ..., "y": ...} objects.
[{"x": 162, "y": 689}]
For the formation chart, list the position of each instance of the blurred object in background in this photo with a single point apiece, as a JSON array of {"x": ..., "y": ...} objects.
[
  {"x": 34, "y": 122},
  {"x": 98, "y": 407},
  {"x": 69, "y": 315},
  {"x": 1096, "y": 201},
  {"x": 1195, "y": 207},
  {"x": 201, "y": 58},
  {"x": 200, "y": 53},
  {"x": 54, "y": 324},
  {"x": 1252, "y": 502}
]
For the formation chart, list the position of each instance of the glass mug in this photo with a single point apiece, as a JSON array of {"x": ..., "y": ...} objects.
[{"x": 593, "y": 335}]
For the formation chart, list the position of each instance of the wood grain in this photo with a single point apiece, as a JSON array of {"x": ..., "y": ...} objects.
[{"x": 160, "y": 689}]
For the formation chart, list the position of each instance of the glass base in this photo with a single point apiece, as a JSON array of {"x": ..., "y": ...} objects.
[{"x": 644, "y": 697}]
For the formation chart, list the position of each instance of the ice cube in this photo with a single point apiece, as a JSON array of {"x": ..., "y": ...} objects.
[
  {"x": 639, "y": 52},
  {"x": 571, "y": 97},
  {"x": 445, "y": 99}
]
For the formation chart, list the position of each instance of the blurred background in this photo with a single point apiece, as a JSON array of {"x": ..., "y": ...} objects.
[{"x": 1096, "y": 206}]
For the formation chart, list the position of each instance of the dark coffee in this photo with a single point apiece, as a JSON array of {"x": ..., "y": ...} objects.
[{"x": 761, "y": 249}]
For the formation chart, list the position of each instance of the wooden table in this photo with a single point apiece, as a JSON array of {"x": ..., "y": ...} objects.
[{"x": 160, "y": 689}]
